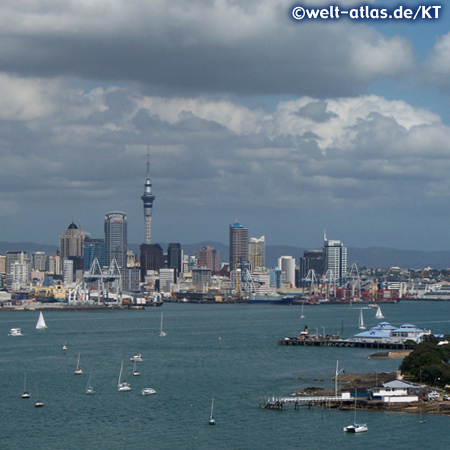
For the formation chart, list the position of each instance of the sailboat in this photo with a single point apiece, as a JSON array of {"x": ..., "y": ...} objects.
[
  {"x": 302, "y": 316},
  {"x": 38, "y": 403},
  {"x": 379, "y": 314},
  {"x": 122, "y": 386},
  {"x": 64, "y": 348},
  {"x": 25, "y": 394},
  {"x": 89, "y": 388},
  {"x": 41, "y": 322},
  {"x": 356, "y": 427},
  {"x": 211, "y": 420},
  {"x": 161, "y": 332},
  {"x": 78, "y": 371},
  {"x": 136, "y": 372},
  {"x": 361, "y": 320}
]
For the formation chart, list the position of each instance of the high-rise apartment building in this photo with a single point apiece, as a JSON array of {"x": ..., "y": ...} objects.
[
  {"x": 209, "y": 257},
  {"x": 256, "y": 252},
  {"x": 238, "y": 244},
  {"x": 335, "y": 258},
  {"x": 116, "y": 238},
  {"x": 148, "y": 198}
]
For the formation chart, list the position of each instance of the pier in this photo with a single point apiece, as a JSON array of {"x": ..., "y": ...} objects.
[
  {"x": 279, "y": 403},
  {"x": 333, "y": 341}
]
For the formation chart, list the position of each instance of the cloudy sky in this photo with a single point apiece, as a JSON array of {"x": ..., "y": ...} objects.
[{"x": 288, "y": 127}]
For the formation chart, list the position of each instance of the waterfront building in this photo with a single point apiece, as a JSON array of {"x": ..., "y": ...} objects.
[
  {"x": 175, "y": 257},
  {"x": 209, "y": 258},
  {"x": 201, "y": 278},
  {"x": 287, "y": 266},
  {"x": 238, "y": 243},
  {"x": 335, "y": 258},
  {"x": 256, "y": 252},
  {"x": 115, "y": 227},
  {"x": 148, "y": 198},
  {"x": 152, "y": 258}
]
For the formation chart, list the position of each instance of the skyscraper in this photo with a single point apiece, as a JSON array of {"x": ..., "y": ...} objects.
[
  {"x": 116, "y": 238},
  {"x": 335, "y": 258},
  {"x": 256, "y": 252},
  {"x": 175, "y": 257},
  {"x": 71, "y": 242},
  {"x": 148, "y": 198},
  {"x": 209, "y": 257},
  {"x": 238, "y": 244}
]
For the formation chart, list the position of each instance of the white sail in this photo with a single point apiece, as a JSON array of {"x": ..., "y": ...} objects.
[
  {"x": 41, "y": 322},
  {"x": 379, "y": 314},
  {"x": 361, "y": 320},
  {"x": 161, "y": 332}
]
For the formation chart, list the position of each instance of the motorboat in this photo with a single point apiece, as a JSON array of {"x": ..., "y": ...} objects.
[
  {"x": 15, "y": 332},
  {"x": 148, "y": 391},
  {"x": 137, "y": 357},
  {"x": 356, "y": 428}
]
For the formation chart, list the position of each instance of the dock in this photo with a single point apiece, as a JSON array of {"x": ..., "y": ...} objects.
[
  {"x": 333, "y": 341},
  {"x": 280, "y": 403}
]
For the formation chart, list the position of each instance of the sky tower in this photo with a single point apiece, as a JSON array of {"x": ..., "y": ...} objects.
[{"x": 148, "y": 198}]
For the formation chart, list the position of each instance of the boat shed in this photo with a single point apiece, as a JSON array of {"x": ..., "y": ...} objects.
[
  {"x": 385, "y": 332},
  {"x": 396, "y": 391}
]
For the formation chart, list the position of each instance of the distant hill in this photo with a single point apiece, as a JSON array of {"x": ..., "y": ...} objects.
[{"x": 376, "y": 257}]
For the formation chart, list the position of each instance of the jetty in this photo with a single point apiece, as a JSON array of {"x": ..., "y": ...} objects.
[
  {"x": 280, "y": 403},
  {"x": 336, "y": 341}
]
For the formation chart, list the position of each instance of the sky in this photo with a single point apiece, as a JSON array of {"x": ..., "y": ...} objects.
[{"x": 288, "y": 127}]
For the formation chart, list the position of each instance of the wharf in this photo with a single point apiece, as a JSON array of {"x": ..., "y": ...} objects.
[
  {"x": 279, "y": 403},
  {"x": 333, "y": 341}
]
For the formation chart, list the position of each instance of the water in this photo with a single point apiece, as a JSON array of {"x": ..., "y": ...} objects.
[{"x": 189, "y": 367}]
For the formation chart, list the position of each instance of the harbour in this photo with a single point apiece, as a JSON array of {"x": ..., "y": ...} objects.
[{"x": 189, "y": 367}]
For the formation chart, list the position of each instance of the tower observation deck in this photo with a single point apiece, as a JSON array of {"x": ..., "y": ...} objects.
[{"x": 147, "y": 197}]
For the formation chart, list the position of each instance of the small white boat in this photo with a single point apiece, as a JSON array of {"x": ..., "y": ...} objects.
[
  {"x": 137, "y": 357},
  {"x": 25, "y": 394},
  {"x": 356, "y": 427},
  {"x": 161, "y": 332},
  {"x": 78, "y": 370},
  {"x": 41, "y": 322},
  {"x": 38, "y": 403},
  {"x": 136, "y": 372},
  {"x": 64, "y": 348},
  {"x": 212, "y": 420},
  {"x": 361, "y": 325},
  {"x": 379, "y": 314},
  {"x": 15, "y": 332},
  {"x": 89, "y": 388},
  {"x": 148, "y": 391},
  {"x": 122, "y": 386}
]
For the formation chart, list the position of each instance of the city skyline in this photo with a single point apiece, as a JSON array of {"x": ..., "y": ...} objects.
[{"x": 288, "y": 126}]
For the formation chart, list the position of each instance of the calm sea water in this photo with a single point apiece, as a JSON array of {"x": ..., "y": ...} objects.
[{"x": 189, "y": 367}]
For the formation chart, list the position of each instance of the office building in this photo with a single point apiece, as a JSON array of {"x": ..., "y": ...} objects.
[
  {"x": 116, "y": 238},
  {"x": 287, "y": 266},
  {"x": 152, "y": 258},
  {"x": 71, "y": 242},
  {"x": 209, "y": 258},
  {"x": 92, "y": 249},
  {"x": 335, "y": 258},
  {"x": 39, "y": 261},
  {"x": 256, "y": 252},
  {"x": 238, "y": 244},
  {"x": 312, "y": 260},
  {"x": 175, "y": 258}
]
